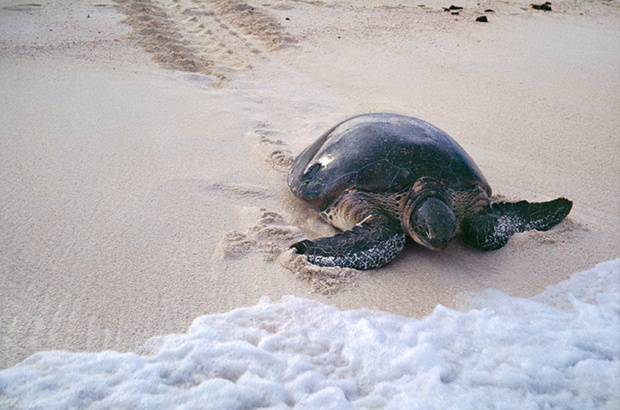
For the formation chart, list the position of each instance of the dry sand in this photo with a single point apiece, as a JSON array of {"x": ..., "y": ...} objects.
[{"x": 144, "y": 146}]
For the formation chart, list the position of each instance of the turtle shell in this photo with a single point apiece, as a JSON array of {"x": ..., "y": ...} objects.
[{"x": 380, "y": 153}]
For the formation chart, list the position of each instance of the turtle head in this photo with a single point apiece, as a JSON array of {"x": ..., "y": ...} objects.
[
  {"x": 432, "y": 224},
  {"x": 428, "y": 217}
]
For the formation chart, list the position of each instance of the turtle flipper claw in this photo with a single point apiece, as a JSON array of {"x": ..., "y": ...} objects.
[
  {"x": 491, "y": 228},
  {"x": 368, "y": 245}
]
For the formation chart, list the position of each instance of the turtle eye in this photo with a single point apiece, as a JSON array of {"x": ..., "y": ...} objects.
[{"x": 311, "y": 172}]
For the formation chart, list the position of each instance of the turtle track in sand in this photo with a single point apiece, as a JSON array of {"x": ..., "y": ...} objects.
[{"x": 208, "y": 37}]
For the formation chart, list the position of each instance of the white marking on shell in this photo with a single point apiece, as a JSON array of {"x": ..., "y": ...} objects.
[{"x": 324, "y": 161}]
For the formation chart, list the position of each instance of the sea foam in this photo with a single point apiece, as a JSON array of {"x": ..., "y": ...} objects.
[{"x": 560, "y": 349}]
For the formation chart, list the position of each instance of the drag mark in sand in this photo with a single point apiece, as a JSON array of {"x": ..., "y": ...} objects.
[
  {"x": 271, "y": 236},
  {"x": 22, "y": 7},
  {"x": 208, "y": 37},
  {"x": 255, "y": 21},
  {"x": 279, "y": 157}
]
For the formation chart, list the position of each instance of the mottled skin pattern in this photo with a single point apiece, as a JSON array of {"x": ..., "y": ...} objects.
[{"x": 379, "y": 177}]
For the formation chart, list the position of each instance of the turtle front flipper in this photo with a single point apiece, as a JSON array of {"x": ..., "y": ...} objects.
[
  {"x": 492, "y": 227},
  {"x": 370, "y": 244}
]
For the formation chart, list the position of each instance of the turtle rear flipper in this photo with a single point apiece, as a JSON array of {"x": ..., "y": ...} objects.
[
  {"x": 370, "y": 244},
  {"x": 491, "y": 228}
]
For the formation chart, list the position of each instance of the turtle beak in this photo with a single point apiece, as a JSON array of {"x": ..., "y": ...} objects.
[
  {"x": 437, "y": 240},
  {"x": 433, "y": 224}
]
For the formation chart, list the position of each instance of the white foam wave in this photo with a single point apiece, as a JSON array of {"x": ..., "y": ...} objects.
[{"x": 506, "y": 353}]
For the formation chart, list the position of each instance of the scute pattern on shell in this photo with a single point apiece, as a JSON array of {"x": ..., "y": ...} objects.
[{"x": 383, "y": 154}]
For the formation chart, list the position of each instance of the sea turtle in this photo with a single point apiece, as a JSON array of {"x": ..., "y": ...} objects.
[{"x": 379, "y": 177}]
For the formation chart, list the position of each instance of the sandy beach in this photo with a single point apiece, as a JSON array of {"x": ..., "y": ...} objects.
[{"x": 144, "y": 148}]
